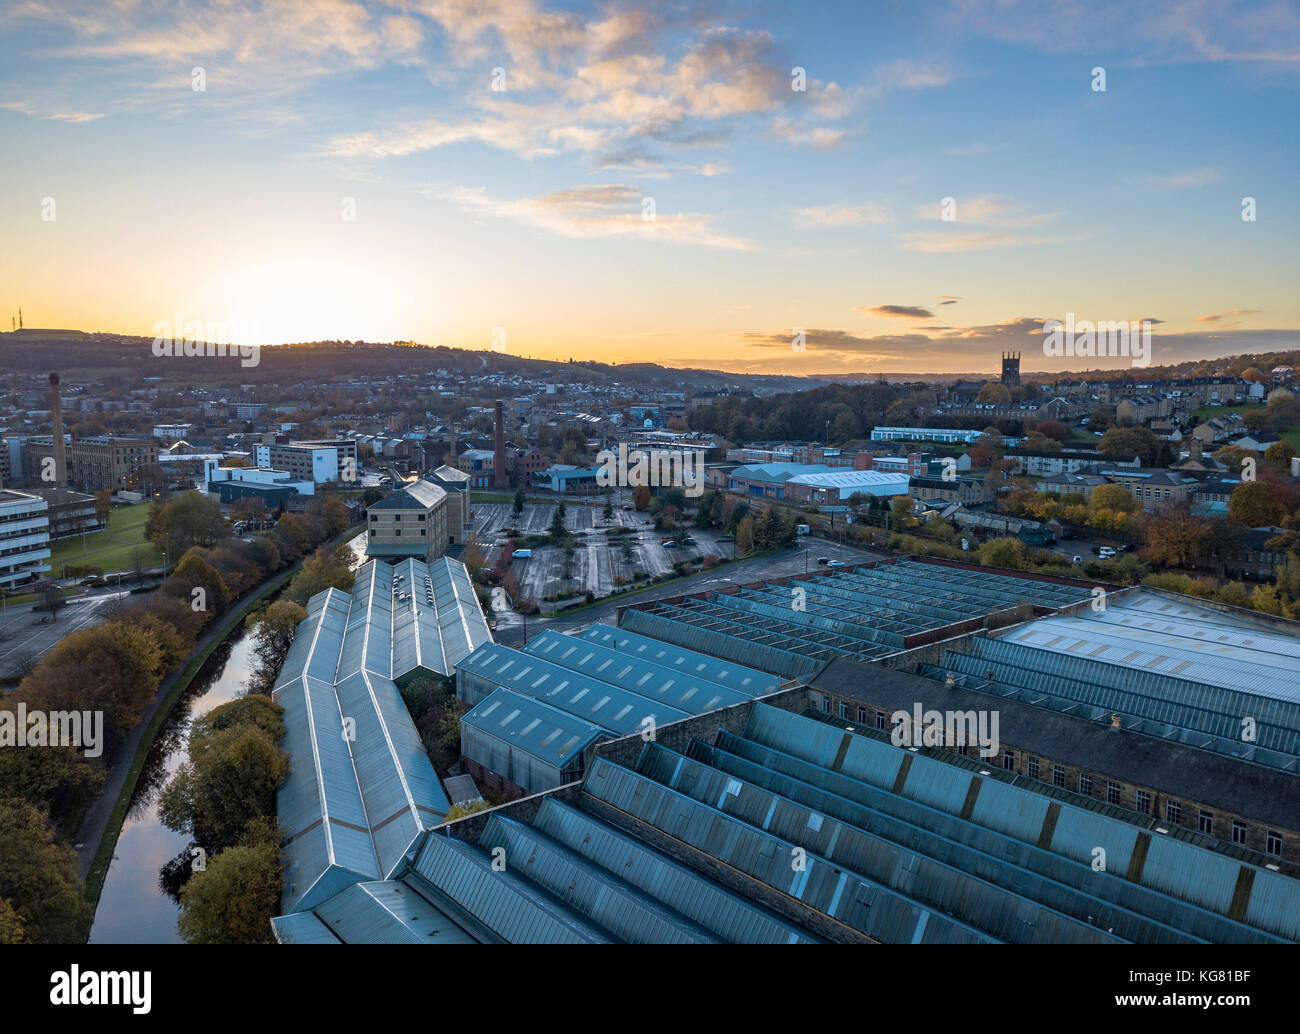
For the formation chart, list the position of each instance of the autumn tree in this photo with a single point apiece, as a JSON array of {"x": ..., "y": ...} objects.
[
  {"x": 1172, "y": 534},
  {"x": 641, "y": 498},
  {"x": 195, "y": 573},
  {"x": 745, "y": 536},
  {"x": 1256, "y": 504}
]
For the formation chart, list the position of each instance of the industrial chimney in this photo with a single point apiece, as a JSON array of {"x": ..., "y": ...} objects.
[
  {"x": 499, "y": 466},
  {"x": 56, "y": 417}
]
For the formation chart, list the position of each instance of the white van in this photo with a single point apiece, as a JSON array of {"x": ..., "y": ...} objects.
[{"x": 801, "y": 529}]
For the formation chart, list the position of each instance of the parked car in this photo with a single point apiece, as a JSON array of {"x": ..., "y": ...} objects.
[
  {"x": 522, "y": 554},
  {"x": 836, "y": 563},
  {"x": 1077, "y": 559},
  {"x": 823, "y": 560},
  {"x": 688, "y": 541},
  {"x": 1106, "y": 553},
  {"x": 670, "y": 543}
]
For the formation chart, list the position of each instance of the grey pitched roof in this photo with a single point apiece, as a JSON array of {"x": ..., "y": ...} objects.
[{"x": 1265, "y": 794}]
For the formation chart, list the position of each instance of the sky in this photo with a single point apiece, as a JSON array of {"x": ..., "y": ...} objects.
[{"x": 798, "y": 188}]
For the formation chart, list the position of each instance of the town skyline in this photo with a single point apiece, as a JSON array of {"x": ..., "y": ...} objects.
[{"x": 621, "y": 182}]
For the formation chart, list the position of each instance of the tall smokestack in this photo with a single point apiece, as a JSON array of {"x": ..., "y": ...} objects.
[
  {"x": 499, "y": 471},
  {"x": 56, "y": 416}
]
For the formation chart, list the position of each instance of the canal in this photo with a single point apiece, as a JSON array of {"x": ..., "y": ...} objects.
[{"x": 133, "y": 908}]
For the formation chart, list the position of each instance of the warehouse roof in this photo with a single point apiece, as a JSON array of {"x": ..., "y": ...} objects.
[
  {"x": 348, "y": 814},
  {"x": 616, "y": 710},
  {"x": 552, "y": 736},
  {"x": 715, "y": 669},
  {"x": 865, "y": 611},
  {"x": 1085, "y": 740},
  {"x": 683, "y": 690}
]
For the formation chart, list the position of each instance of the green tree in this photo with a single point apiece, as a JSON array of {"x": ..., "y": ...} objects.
[
  {"x": 1005, "y": 552},
  {"x": 1278, "y": 455},
  {"x": 273, "y": 633},
  {"x": 745, "y": 536},
  {"x": 188, "y": 520},
  {"x": 11, "y": 924},
  {"x": 231, "y": 776},
  {"x": 194, "y": 572},
  {"x": 1132, "y": 441},
  {"x": 38, "y": 878},
  {"x": 235, "y": 898},
  {"x": 322, "y": 570},
  {"x": 518, "y": 508},
  {"x": 608, "y": 511}
]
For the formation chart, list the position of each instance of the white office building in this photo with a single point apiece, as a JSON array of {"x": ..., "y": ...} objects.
[{"x": 24, "y": 538}]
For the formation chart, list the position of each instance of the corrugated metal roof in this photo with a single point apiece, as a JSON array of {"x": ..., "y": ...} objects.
[
  {"x": 683, "y": 690},
  {"x": 610, "y": 707},
  {"x": 360, "y": 786},
  {"x": 747, "y": 680},
  {"x": 553, "y": 736}
]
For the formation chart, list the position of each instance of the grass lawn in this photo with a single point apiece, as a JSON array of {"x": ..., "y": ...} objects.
[
  {"x": 114, "y": 549},
  {"x": 1209, "y": 412},
  {"x": 1292, "y": 435}
]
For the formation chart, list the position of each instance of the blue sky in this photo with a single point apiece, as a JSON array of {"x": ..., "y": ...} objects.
[{"x": 773, "y": 208}]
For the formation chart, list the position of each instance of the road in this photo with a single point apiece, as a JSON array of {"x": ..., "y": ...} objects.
[{"x": 29, "y": 638}]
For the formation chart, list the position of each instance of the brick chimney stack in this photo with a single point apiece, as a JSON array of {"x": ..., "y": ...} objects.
[
  {"x": 499, "y": 459},
  {"x": 56, "y": 417}
]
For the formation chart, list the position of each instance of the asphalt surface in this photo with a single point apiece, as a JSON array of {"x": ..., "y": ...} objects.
[{"x": 774, "y": 567}]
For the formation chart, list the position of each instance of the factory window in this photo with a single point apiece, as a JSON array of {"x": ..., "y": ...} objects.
[
  {"x": 826, "y": 705},
  {"x": 1143, "y": 802},
  {"x": 1274, "y": 843},
  {"x": 844, "y": 709},
  {"x": 374, "y": 517},
  {"x": 421, "y": 517},
  {"x": 1173, "y": 811},
  {"x": 423, "y": 532},
  {"x": 1112, "y": 793},
  {"x": 1009, "y": 760},
  {"x": 372, "y": 532},
  {"x": 880, "y": 719},
  {"x": 397, "y": 516},
  {"x": 1058, "y": 775},
  {"x": 862, "y": 716},
  {"x": 1238, "y": 832},
  {"x": 1085, "y": 784},
  {"x": 1205, "y": 823},
  {"x": 398, "y": 531},
  {"x": 1032, "y": 765}
]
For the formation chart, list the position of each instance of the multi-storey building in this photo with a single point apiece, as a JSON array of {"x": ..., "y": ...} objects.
[
  {"x": 411, "y": 523},
  {"x": 109, "y": 461},
  {"x": 24, "y": 538}
]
